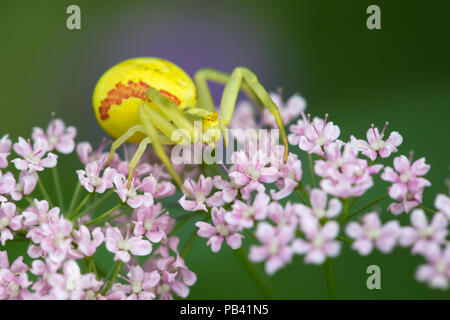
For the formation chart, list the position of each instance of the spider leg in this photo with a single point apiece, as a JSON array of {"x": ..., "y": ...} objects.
[
  {"x": 150, "y": 127},
  {"x": 205, "y": 100},
  {"x": 122, "y": 139},
  {"x": 136, "y": 157},
  {"x": 230, "y": 94}
]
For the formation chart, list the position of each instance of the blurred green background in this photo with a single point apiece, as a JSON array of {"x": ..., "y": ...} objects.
[{"x": 321, "y": 49}]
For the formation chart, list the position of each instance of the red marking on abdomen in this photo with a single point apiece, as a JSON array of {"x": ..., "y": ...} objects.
[{"x": 121, "y": 91}]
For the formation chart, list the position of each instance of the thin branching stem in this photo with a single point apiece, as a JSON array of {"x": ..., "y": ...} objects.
[
  {"x": 104, "y": 215},
  {"x": 329, "y": 279},
  {"x": 57, "y": 183},
  {"x": 44, "y": 192},
  {"x": 384, "y": 196},
  {"x": 75, "y": 196},
  {"x": 255, "y": 274},
  {"x": 80, "y": 206}
]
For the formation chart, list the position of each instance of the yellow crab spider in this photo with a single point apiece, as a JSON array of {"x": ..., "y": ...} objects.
[{"x": 144, "y": 100}]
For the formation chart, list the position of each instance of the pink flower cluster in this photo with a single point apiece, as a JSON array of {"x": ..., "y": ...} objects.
[{"x": 259, "y": 204}]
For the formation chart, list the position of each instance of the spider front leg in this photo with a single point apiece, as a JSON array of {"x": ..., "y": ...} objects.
[
  {"x": 150, "y": 125},
  {"x": 122, "y": 139},
  {"x": 233, "y": 84}
]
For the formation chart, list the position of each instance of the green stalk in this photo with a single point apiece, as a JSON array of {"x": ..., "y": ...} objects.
[
  {"x": 329, "y": 279},
  {"x": 126, "y": 211},
  {"x": 367, "y": 206},
  {"x": 98, "y": 202},
  {"x": 76, "y": 193},
  {"x": 57, "y": 184},
  {"x": 300, "y": 196},
  {"x": 311, "y": 169},
  {"x": 255, "y": 274},
  {"x": 344, "y": 210},
  {"x": 427, "y": 209},
  {"x": 116, "y": 272},
  {"x": 189, "y": 244},
  {"x": 80, "y": 206},
  {"x": 44, "y": 192},
  {"x": 104, "y": 215}
]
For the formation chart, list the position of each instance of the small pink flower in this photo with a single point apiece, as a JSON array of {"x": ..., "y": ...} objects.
[
  {"x": 287, "y": 216},
  {"x": 290, "y": 174},
  {"x": 407, "y": 178},
  {"x": 7, "y": 184},
  {"x": 122, "y": 247},
  {"x": 43, "y": 269},
  {"x": 372, "y": 233},
  {"x": 252, "y": 169},
  {"x": 199, "y": 191},
  {"x": 344, "y": 174},
  {"x": 375, "y": 144},
  {"x": 86, "y": 155},
  {"x": 5, "y": 148},
  {"x": 57, "y": 136},
  {"x": 318, "y": 134},
  {"x": 275, "y": 246},
  {"x": 130, "y": 194},
  {"x": 35, "y": 158},
  {"x": 54, "y": 239},
  {"x": 141, "y": 284},
  {"x": 91, "y": 180},
  {"x": 407, "y": 183},
  {"x": 25, "y": 186},
  {"x": 244, "y": 215},
  {"x": 442, "y": 203},
  {"x": 319, "y": 209},
  {"x": 421, "y": 234},
  {"x": 297, "y": 130},
  {"x": 219, "y": 232},
  {"x": 8, "y": 221},
  {"x": 39, "y": 214},
  {"x": 437, "y": 270},
  {"x": 320, "y": 240},
  {"x": 175, "y": 276},
  {"x": 14, "y": 281},
  {"x": 228, "y": 192},
  {"x": 71, "y": 284},
  {"x": 88, "y": 243},
  {"x": 158, "y": 189},
  {"x": 289, "y": 111},
  {"x": 151, "y": 223}
]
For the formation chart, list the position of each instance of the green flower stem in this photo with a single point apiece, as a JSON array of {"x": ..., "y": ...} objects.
[
  {"x": 188, "y": 246},
  {"x": 344, "y": 210},
  {"x": 98, "y": 202},
  {"x": 75, "y": 196},
  {"x": 73, "y": 215},
  {"x": 116, "y": 215},
  {"x": 255, "y": 275},
  {"x": 353, "y": 202},
  {"x": 344, "y": 239},
  {"x": 302, "y": 189},
  {"x": 57, "y": 183},
  {"x": 104, "y": 215},
  {"x": 384, "y": 196},
  {"x": 44, "y": 192},
  {"x": 311, "y": 169},
  {"x": 427, "y": 209},
  {"x": 329, "y": 279},
  {"x": 114, "y": 276},
  {"x": 301, "y": 197},
  {"x": 181, "y": 221}
]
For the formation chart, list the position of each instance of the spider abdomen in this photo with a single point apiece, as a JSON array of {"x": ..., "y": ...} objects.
[{"x": 122, "y": 88}]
